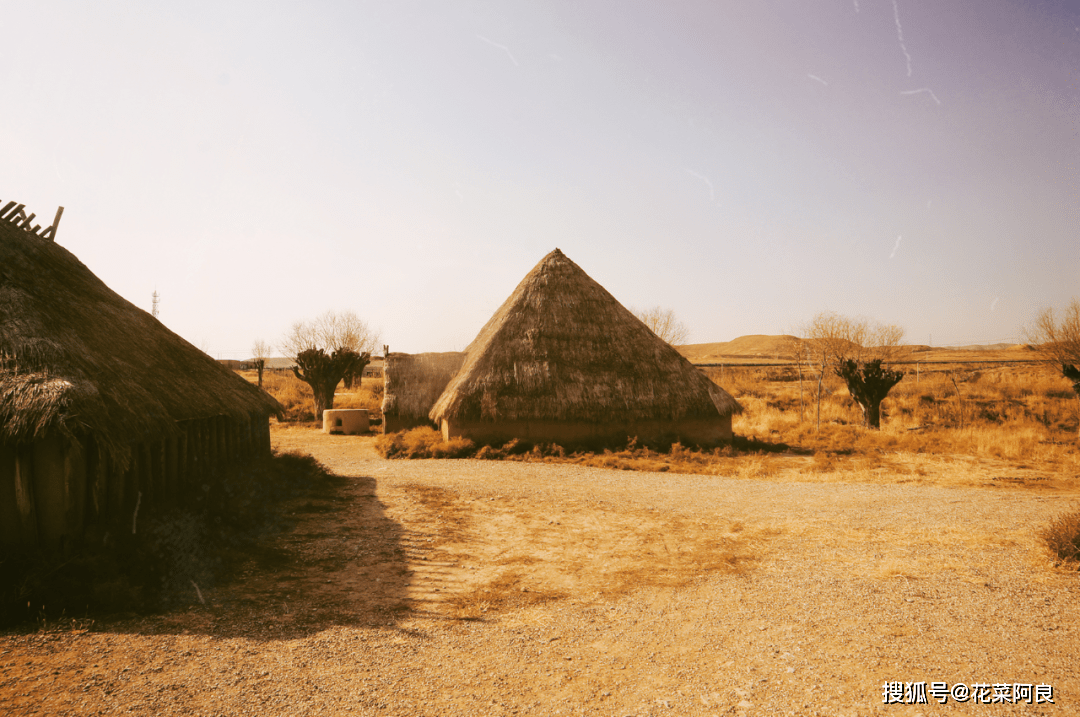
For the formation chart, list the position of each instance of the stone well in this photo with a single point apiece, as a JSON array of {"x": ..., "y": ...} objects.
[{"x": 346, "y": 421}]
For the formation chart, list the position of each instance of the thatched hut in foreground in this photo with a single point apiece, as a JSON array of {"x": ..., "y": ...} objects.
[
  {"x": 563, "y": 361},
  {"x": 105, "y": 414},
  {"x": 411, "y": 385}
]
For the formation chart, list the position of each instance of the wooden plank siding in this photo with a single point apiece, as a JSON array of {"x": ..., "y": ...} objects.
[{"x": 56, "y": 493}]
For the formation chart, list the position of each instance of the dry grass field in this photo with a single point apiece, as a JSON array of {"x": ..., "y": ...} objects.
[
  {"x": 1020, "y": 416},
  {"x": 797, "y": 572},
  {"x": 296, "y": 397},
  {"x": 760, "y": 348}
]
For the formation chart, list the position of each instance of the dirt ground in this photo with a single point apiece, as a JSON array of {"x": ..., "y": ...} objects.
[{"x": 497, "y": 588}]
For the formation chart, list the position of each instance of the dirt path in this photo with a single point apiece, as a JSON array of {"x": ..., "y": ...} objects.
[{"x": 491, "y": 588}]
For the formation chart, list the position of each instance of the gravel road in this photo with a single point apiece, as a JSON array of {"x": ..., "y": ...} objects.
[{"x": 498, "y": 588}]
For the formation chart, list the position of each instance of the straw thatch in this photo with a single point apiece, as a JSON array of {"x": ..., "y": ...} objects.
[
  {"x": 76, "y": 359},
  {"x": 562, "y": 349},
  {"x": 412, "y": 383}
]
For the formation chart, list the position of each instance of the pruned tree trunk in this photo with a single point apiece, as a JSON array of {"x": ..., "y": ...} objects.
[
  {"x": 260, "y": 364},
  {"x": 869, "y": 384},
  {"x": 324, "y": 398},
  {"x": 323, "y": 373},
  {"x": 356, "y": 373},
  {"x": 959, "y": 400}
]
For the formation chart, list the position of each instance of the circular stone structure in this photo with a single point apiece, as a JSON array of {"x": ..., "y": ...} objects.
[{"x": 345, "y": 421}]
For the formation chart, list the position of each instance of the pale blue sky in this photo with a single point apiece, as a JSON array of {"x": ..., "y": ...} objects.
[{"x": 744, "y": 164}]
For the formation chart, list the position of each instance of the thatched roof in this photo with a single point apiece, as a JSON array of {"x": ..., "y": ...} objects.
[
  {"x": 77, "y": 359},
  {"x": 562, "y": 348},
  {"x": 413, "y": 382}
]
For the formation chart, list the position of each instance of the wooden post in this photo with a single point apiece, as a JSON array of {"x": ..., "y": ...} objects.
[
  {"x": 116, "y": 488},
  {"x": 148, "y": 477},
  {"x": 195, "y": 457},
  {"x": 97, "y": 486},
  {"x": 212, "y": 446},
  {"x": 241, "y": 429},
  {"x": 50, "y": 233},
  {"x": 224, "y": 449},
  {"x": 168, "y": 473},
  {"x": 16, "y": 215},
  {"x": 75, "y": 492},
  {"x": 24, "y": 497},
  {"x": 128, "y": 495},
  {"x": 262, "y": 443},
  {"x": 10, "y": 521},
  {"x": 960, "y": 399},
  {"x": 234, "y": 441},
  {"x": 225, "y": 441},
  {"x": 820, "y": 378},
  {"x": 56, "y": 223},
  {"x": 182, "y": 455},
  {"x": 802, "y": 410}
]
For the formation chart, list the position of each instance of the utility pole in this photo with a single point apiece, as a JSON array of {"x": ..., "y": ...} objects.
[{"x": 157, "y": 300}]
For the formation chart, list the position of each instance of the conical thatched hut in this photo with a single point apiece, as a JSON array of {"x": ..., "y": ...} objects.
[
  {"x": 105, "y": 414},
  {"x": 563, "y": 361}
]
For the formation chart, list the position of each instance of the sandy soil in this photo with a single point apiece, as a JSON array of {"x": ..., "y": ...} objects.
[{"x": 495, "y": 588}]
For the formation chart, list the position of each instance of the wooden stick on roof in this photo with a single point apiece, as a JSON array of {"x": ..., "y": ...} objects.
[{"x": 50, "y": 233}]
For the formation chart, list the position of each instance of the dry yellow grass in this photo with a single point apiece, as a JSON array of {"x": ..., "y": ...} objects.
[
  {"x": 296, "y": 397},
  {"x": 423, "y": 442},
  {"x": 1010, "y": 427},
  {"x": 367, "y": 395},
  {"x": 1004, "y": 426},
  {"x": 1023, "y": 415},
  {"x": 1062, "y": 538}
]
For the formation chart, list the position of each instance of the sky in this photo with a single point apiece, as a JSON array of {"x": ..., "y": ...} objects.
[{"x": 746, "y": 165}]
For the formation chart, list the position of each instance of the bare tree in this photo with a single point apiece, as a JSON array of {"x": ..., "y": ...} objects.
[
  {"x": 260, "y": 351},
  {"x": 1057, "y": 341},
  {"x": 858, "y": 351},
  {"x": 800, "y": 351},
  {"x": 665, "y": 324},
  {"x": 818, "y": 347},
  {"x": 328, "y": 349}
]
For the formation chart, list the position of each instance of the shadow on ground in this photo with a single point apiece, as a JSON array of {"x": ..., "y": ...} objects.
[
  {"x": 286, "y": 553},
  {"x": 339, "y": 560}
]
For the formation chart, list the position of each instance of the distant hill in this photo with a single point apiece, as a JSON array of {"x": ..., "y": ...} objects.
[
  {"x": 745, "y": 347},
  {"x": 764, "y": 349},
  {"x": 984, "y": 347}
]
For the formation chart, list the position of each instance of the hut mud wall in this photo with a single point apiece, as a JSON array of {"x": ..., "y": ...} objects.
[
  {"x": 412, "y": 384},
  {"x": 55, "y": 493}
]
